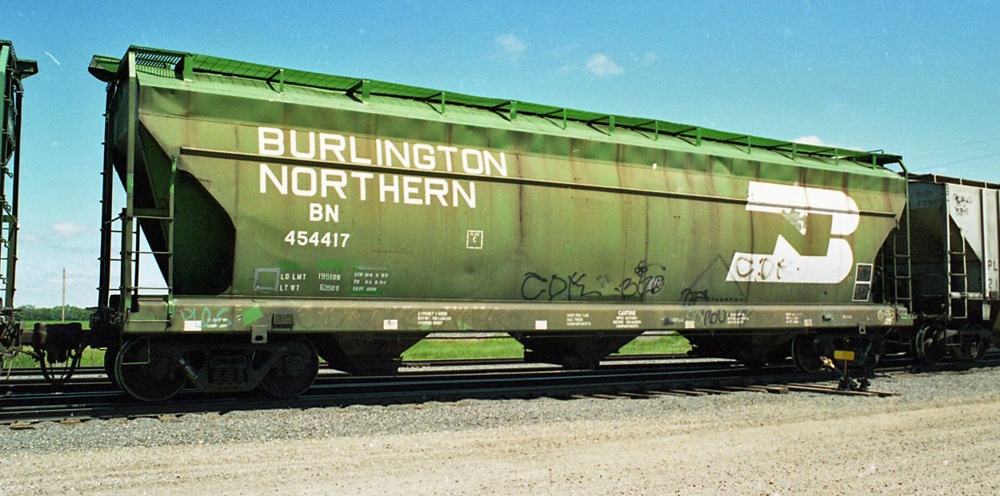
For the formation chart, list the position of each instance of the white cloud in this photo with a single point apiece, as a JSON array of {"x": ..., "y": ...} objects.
[
  {"x": 68, "y": 229},
  {"x": 602, "y": 65},
  {"x": 810, "y": 140},
  {"x": 646, "y": 58},
  {"x": 511, "y": 46}
]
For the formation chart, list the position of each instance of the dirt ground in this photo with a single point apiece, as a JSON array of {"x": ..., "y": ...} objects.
[{"x": 949, "y": 449}]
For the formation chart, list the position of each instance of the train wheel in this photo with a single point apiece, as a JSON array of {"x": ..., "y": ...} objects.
[
  {"x": 930, "y": 344},
  {"x": 294, "y": 370},
  {"x": 804, "y": 354},
  {"x": 972, "y": 350},
  {"x": 147, "y": 371}
]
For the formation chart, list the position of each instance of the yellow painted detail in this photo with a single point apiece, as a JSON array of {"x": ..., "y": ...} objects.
[{"x": 843, "y": 355}]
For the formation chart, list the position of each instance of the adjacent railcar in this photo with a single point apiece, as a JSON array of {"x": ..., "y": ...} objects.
[
  {"x": 955, "y": 262},
  {"x": 13, "y": 71},
  {"x": 293, "y": 213}
]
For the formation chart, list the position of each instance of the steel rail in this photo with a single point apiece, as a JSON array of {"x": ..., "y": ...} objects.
[{"x": 446, "y": 362}]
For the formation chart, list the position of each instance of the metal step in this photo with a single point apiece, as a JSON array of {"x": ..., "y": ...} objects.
[{"x": 969, "y": 296}]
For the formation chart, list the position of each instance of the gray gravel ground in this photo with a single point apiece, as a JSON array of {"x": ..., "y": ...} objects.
[{"x": 941, "y": 436}]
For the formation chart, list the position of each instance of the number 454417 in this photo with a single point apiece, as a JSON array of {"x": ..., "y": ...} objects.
[{"x": 314, "y": 238}]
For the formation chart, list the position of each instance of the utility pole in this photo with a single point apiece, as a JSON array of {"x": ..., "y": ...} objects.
[{"x": 64, "y": 296}]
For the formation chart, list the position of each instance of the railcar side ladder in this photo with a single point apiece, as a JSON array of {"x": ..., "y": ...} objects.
[
  {"x": 132, "y": 253},
  {"x": 900, "y": 275},
  {"x": 8, "y": 221},
  {"x": 11, "y": 146},
  {"x": 130, "y": 217},
  {"x": 958, "y": 280},
  {"x": 8, "y": 240}
]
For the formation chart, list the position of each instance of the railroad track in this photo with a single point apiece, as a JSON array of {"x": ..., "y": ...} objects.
[
  {"x": 338, "y": 390},
  {"x": 636, "y": 380},
  {"x": 447, "y": 362},
  {"x": 29, "y": 379},
  {"x": 93, "y": 379}
]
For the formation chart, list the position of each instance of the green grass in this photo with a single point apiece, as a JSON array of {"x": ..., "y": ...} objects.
[
  {"x": 643, "y": 345},
  {"x": 439, "y": 349},
  {"x": 91, "y": 358},
  {"x": 30, "y": 324}
]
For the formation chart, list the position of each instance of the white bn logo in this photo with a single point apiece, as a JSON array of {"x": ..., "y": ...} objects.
[{"x": 785, "y": 264}]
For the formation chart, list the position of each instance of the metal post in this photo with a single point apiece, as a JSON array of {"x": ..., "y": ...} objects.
[
  {"x": 846, "y": 381},
  {"x": 12, "y": 232},
  {"x": 107, "y": 178},
  {"x": 64, "y": 297},
  {"x": 127, "y": 219},
  {"x": 986, "y": 257},
  {"x": 947, "y": 251},
  {"x": 137, "y": 244},
  {"x": 170, "y": 231},
  {"x": 909, "y": 254}
]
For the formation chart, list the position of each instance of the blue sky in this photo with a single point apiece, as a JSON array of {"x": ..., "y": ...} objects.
[{"x": 919, "y": 79}]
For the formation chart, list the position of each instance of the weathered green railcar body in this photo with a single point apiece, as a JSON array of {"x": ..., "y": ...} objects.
[
  {"x": 287, "y": 201},
  {"x": 12, "y": 72}
]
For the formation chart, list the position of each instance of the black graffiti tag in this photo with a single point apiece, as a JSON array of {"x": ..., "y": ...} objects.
[
  {"x": 761, "y": 269},
  {"x": 644, "y": 283},
  {"x": 690, "y": 297},
  {"x": 571, "y": 287},
  {"x": 718, "y": 316}
]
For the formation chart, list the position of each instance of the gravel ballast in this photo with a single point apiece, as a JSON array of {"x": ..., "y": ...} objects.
[{"x": 940, "y": 436}]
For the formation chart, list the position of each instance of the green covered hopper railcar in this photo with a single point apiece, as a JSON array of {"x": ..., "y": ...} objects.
[{"x": 290, "y": 211}]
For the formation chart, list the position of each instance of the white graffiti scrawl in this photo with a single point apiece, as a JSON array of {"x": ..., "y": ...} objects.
[{"x": 785, "y": 264}]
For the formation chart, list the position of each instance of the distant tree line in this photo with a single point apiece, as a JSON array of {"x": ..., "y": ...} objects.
[{"x": 31, "y": 312}]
